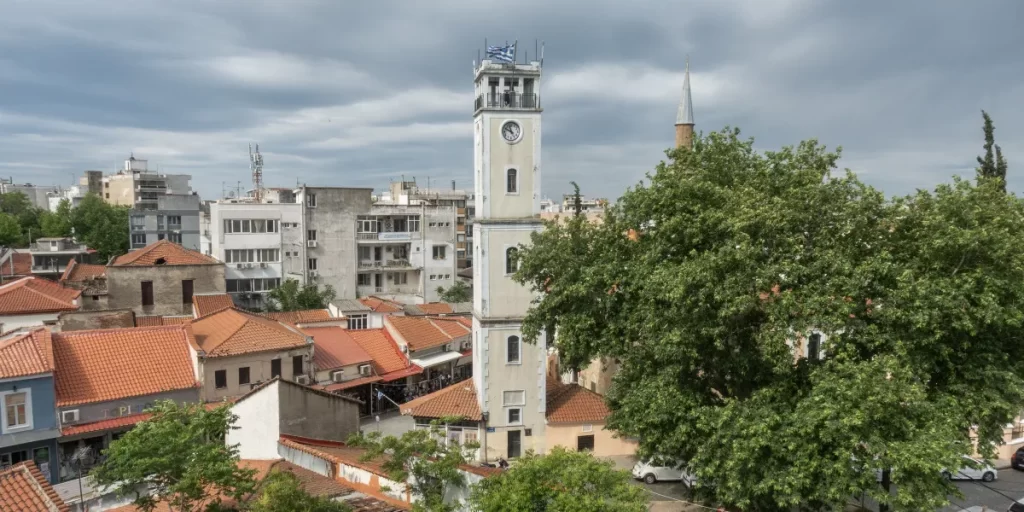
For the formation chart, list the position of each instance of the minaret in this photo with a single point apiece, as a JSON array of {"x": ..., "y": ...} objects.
[
  {"x": 508, "y": 373},
  {"x": 684, "y": 117}
]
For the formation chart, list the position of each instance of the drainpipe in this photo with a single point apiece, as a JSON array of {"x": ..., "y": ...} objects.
[{"x": 483, "y": 437}]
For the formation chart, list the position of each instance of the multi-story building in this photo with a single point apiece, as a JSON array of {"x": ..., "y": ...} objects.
[
  {"x": 38, "y": 195},
  {"x": 136, "y": 186},
  {"x": 50, "y": 256},
  {"x": 329, "y": 222},
  {"x": 28, "y": 414},
  {"x": 161, "y": 279},
  {"x": 407, "y": 192},
  {"x": 174, "y": 218}
]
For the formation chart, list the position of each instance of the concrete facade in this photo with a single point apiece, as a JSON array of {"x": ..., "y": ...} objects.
[
  {"x": 124, "y": 286},
  {"x": 136, "y": 186},
  {"x": 330, "y": 216},
  {"x": 175, "y": 218},
  {"x": 91, "y": 320},
  {"x": 38, "y": 195},
  {"x": 50, "y": 256},
  {"x": 606, "y": 442},
  {"x": 259, "y": 365}
]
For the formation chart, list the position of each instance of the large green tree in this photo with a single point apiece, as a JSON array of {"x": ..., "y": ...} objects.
[
  {"x": 17, "y": 205},
  {"x": 459, "y": 291},
  {"x": 561, "y": 481},
  {"x": 10, "y": 231},
  {"x": 992, "y": 165},
  {"x": 706, "y": 282},
  {"x": 291, "y": 296},
  {"x": 180, "y": 454},
  {"x": 101, "y": 226},
  {"x": 57, "y": 224}
]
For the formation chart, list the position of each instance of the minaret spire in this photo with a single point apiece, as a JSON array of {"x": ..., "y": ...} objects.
[{"x": 684, "y": 116}]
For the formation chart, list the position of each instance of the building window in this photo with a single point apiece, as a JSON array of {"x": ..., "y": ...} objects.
[
  {"x": 511, "y": 260},
  {"x": 174, "y": 221},
  {"x": 439, "y": 252},
  {"x": 174, "y": 237},
  {"x": 364, "y": 252},
  {"x": 363, "y": 280},
  {"x": 160, "y": 222},
  {"x": 512, "y": 350},
  {"x": 399, "y": 277},
  {"x": 160, "y": 236},
  {"x": 243, "y": 375},
  {"x": 220, "y": 379},
  {"x": 17, "y": 410},
  {"x": 275, "y": 368},
  {"x": 251, "y": 226},
  {"x": 512, "y": 181},
  {"x": 311, "y": 264},
  {"x": 515, "y": 416},
  {"x": 138, "y": 223},
  {"x": 357, "y": 322},
  {"x": 311, "y": 234},
  {"x": 414, "y": 223},
  {"x": 367, "y": 225},
  {"x": 138, "y": 241},
  {"x": 814, "y": 347},
  {"x": 297, "y": 366},
  {"x": 513, "y": 398},
  {"x": 311, "y": 200},
  {"x": 147, "y": 293}
]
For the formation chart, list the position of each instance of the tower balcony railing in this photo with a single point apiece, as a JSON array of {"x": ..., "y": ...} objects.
[{"x": 507, "y": 100}]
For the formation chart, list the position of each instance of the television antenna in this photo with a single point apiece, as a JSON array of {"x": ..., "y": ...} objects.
[{"x": 256, "y": 165}]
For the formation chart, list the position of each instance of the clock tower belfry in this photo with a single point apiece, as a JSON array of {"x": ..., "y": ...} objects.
[{"x": 508, "y": 374}]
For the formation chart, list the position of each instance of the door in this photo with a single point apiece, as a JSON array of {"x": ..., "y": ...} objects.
[
  {"x": 378, "y": 281},
  {"x": 186, "y": 291},
  {"x": 515, "y": 443},
  {"x": 147, "y": 293},
  {"x": 585, "y": 443},
  {"x": 378, "y": 253}
]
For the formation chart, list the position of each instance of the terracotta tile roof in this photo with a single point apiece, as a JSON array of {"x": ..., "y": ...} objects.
[
  {"x": 334, "y": 348},
  {"x": 297, "y": 317},
  {"x": 155, "y": 321},
  {"x": 435, "y": 308},
  {"x": 205, "y": 304},
  {"x": 18, "y": 264},
  {"x": 401, "y": 374},
  {"x": 424, "y": 332},
  {"x": 27, "y": 354},
  {"x": 572, "y": 403},
  {"x": 381, "y": 305},
  {"x": 112, "y": 364},
  {"x": 339, "y": 453},
  {"x": 230, "y": 332},
  {"x": 459, "y": 399},
  {"x": 80, "y": 272},
  {"x": 23, "y": 488},
  {"x": 113, "y": 423},
  {"x": 348, "y": 384},
  {"x": 386, "y": 355},
  {"x": 313, "y": 483},
  {"x": 170, "y": 253},
  {"x": 30, "y": 295}
]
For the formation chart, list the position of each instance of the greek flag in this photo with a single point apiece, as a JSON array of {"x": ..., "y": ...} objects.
[
  {"x": 380, "y": 394},
  {"x": 502, "y": 53}
]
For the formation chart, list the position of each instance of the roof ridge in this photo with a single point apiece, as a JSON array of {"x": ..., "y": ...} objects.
[
  {"x": 118, "y": 329},
  {"x": 438, "y": 327}
]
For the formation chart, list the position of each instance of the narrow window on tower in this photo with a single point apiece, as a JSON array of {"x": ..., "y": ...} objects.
[
  {"x": 512, "y": 182},
  {"x": 512, "y": 350},
  {"x": 511, "y": 260}
]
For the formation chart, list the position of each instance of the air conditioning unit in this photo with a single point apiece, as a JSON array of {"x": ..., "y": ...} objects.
[
  {"x": 263, "y": 265},
  {"x": 239, "y": 266},
  {"x": 248, "y": 265},
  {"x": 446, "y": 347},
  {"x": 312, "y": 274},
  {"x": 467, "y": 345},
  {"x": 68, "y": 417},
  {"x": 364, "y": 369},
  {"x": 311, "y": 243},
  {"x": 302, "y": 379},
  {"x": 338, "y": 376}
]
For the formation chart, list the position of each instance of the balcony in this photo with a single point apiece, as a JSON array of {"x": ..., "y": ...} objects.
[
  {"x": 507, "y": 101},
  {"x": 386, "y": 265},
  {"x": 388, "y": 236}
]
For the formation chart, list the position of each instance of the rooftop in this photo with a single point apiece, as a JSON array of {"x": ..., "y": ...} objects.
[
  {"x": 79, "y": 272},
  {"x": 335, "y": 348},
  {"x": 205, "y": 304},
  {"x": 296, "y": 317},
  {"x": 113, "y": 364},
  {"x": 572, "y": 403},
  {"x": 23, "y": 488},
  {"x": 346, "y": 305},
  {"x": 380, "y": 305},
  {"x": 459, "y": 399},
  {"x": 386, "y": 355},
  {"x": 31, "y": 295},
  {"x": 421, "y": 333},
  {"x": 230, "y": 332},
  {"x": 26, "y": 355},
  {"x": 164, "y": 253},
  {"x": 18, "y": 264},
  {"x": 156, "y": 320}
]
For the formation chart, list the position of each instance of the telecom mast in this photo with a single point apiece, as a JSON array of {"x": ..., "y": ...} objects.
[{"x": 256, "y": 165}]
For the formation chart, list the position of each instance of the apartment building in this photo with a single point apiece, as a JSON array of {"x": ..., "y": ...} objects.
[
  {"x": 408, "y": 193},
  {"x": 38, "y": 195},
  {"x": 329, "y": 216},
  {"x": 174, "y": 218}
]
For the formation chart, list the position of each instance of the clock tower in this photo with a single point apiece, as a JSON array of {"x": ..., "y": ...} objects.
[{"x": 508, "y": 373}]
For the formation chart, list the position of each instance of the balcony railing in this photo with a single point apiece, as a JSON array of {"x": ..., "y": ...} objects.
[
  {"x": 507, "y": 100},
  {"x": 385, "y": 264},
  {"x": 389, "y": 236}
]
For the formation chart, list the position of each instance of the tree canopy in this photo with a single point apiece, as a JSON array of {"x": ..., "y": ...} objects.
[
  {"x": 282, "y": 492},
  {"x": 181, "y": 455},
  {"x": 459, "y": 291},
  {"x": 992, "y": 165},
  {"x": 561, "y": 481},
  {"x": 291, "y": 296},
  {"x": 101, "y": 226},
  {"x": 708, "y": 282},
  {"x": 10, "y": 230}
]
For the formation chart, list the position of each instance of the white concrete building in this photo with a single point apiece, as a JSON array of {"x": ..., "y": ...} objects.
[
  {"x": 175, "y": 218},
  {"x": 508, "y": 374}
]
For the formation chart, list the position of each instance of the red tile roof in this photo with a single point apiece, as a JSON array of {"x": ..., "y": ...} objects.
[
  {"x": 206, "y": 304},
  {"x": 27, "y": 354},
  {"x": 96, "y": 426},
  {"x": 334, "y": 348},
  {"x": 425, "y": 332},
  {"x": 231, "y": 332},
  {"x": 386, "y": 355},
  {"x": 113, "y": 364},
  {"x": 436, "y": 308},
  {"x": 19, "y": 264},
  {"x": 23, "y": 488},
  {"x": 314, "y": 484},
  {"x": 459, "y": 399},
  {"x": 31, "y": 295},
  {"x": 79, "y": 272},
  {"x": 155, "y": 321},
  {"x": 348, "y": 384},
  {"x": 572, "y": 403},
  {"x": 164, "y": 253},
  {"x": 401, "y": 374},
  {"x": 381, "y": 305},
  {"x": 298, "y": 317}
]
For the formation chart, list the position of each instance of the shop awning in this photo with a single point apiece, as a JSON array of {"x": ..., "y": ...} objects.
[
  {"x": 338, "y": 386},
  {"x": 436, "y": 359}
]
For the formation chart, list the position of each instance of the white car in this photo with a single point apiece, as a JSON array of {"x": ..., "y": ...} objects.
[
  {"x": 983, "y": 472},
  {"x": 661, "y": 471}
]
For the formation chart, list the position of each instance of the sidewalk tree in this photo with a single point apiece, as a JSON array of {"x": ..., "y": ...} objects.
[
  {"x": 180, "y": 454},
  {"x": 561, "y": 481},
  {"x": 291, "y": 296},
  {"x": 708, "y": 283},
  {"x": 992, "y": 165}
]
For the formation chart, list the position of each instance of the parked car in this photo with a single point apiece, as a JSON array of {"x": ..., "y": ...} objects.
[
  {"x": 662, "y": 470},
  {"x": 984, "y": 472},
  {"x": 1017, "y": 461},
  {"x": 1018, "y": 506}
]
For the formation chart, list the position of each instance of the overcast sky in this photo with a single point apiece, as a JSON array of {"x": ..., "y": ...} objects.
[{"x": 349, "y": 93}]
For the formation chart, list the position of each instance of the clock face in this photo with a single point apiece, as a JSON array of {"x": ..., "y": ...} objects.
[{"x": 511, "y": 131}]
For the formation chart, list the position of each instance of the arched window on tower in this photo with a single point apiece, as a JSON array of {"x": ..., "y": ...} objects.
[
  {"x": 512, "y": 350},
  {"x": 512, "y": 182},
  {"x": 511, "y": 260}
]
